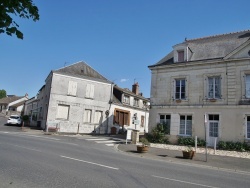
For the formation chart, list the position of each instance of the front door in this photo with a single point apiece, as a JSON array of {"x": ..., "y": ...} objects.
[{"x": 212, "y": 129}]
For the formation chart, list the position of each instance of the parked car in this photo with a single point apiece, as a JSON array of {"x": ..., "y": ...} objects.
[{"x": 14, "y": 119}]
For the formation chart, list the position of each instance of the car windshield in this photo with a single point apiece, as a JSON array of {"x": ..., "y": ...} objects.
[{"x": 14, "y": 117}]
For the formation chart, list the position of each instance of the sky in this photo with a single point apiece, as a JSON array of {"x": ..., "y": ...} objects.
[{"x": 118, "y": 38}]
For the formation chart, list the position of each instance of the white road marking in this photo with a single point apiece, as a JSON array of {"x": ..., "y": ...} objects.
[
  {"x": 42, "y": 137},
  {"x": 106, "y": 141},
  {"x": 109, "y": 144},
  {"x": 89, "y": 162},
  {"x": 184, "y": 182},
  {"x": 95, "y": 139}
]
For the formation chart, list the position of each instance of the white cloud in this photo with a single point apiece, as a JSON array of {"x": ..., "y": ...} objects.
[{"x": 123, "y": 80}]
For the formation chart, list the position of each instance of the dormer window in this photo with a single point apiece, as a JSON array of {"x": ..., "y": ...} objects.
[
  {"x": 126, "y": 99},
  {"x": 180, "y": 55}
]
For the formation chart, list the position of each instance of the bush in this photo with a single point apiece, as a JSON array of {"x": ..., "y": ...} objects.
[
  {"x": 144, "y": 141},
  {"x": 233, "y": 146},
  {"x": 158, "y": 135},
  {"x": 190, "y": 141}
]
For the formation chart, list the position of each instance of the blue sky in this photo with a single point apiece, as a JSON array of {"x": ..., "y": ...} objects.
[{"x": 118, "y": 38}]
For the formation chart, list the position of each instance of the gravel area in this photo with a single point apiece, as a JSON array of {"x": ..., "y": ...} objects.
[{"x": 202, "y": 150}]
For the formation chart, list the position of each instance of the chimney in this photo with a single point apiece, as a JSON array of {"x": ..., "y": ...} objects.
[{"x": 135, "y": 88}]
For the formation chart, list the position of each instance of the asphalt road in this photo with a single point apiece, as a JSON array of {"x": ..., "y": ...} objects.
[{"x": 28, "y": 160}]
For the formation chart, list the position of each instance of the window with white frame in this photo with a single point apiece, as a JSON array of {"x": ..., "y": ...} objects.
[
  {"x": 214, "y": 87},
  {"x": 185, "y": 125},
  {"x": 62, "y": 112},
  {"x": 213, "y": 125},
  {"x": 165, "y": 120},
  {"x": 126, "y": 99},
  {"x": 136, "y": 102},
  {"x": 87, "y": 116},
  {"x": 248, "y": 128},
  {"x": 98, "y": 117},
  {"x": 180, "y": 89},
  {"x": 247, "y": 85}
]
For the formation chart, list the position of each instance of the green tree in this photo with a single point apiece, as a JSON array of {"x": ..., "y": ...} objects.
[
  {"x": 2, "y": 93},
  {"x": 21, "y": 8}
]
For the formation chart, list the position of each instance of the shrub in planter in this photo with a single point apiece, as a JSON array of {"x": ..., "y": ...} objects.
[{"x": 144, "y": 145}]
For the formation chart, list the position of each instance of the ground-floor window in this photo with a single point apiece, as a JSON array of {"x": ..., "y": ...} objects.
[
  {"x": 62, "y": 112},
  {"x": 98, "y": 117},
  {"x": 248, "y": 127},
  {"x": 185, "y": 125},
  {"x": 165, "y": 120},
  {"x": 87, "y": 116},
  {"x": 121, "y": 117},
  {"x": 213, "y": 125}
]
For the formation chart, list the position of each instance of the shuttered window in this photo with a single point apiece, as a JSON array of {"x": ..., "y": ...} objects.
[
  {"x": 87, "y": 116},
  {"x": 62, "y": 112},
  {"x": 72, "y": 88},
  {"x": 90, "y": 90},
  {"x": 98, "y": 117},
  {"x": 121, "y": 117}
]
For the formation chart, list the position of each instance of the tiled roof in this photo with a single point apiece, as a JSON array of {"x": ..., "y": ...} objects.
[
  {"x": 82, "y": 70},
  {"x": 212, "y": 47},
  {"x": 7, "y": 100}
]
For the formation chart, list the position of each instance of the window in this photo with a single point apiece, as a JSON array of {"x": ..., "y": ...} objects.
[
  {"x": 214, "y": 87},
  {"x": 126, "y": 99},
  {"x": 213, "y": 125},
  {"x": 72, "y": 88},
  {"x": 62, "y": 112},
  {"x": 87, "y": 116},
  {"x": 185, "y": 125},
  {"x": 180, "y": 56},
  {"x": 180, "y": 89},
  {"x": 142, "y": 121},
  {"x": 136, "y": 102},
  {"x": 165, "y": 121},
  {"x": 248, "y": 127},
  {"x": 247, "y": 82},
  {"x": 90, "y": 89},
  {"x": 121, "y": 117},
  {"x": 98, "y": 117}
]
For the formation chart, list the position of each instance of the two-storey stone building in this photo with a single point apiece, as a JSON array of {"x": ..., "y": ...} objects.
[{"x": 204, "y": 77}]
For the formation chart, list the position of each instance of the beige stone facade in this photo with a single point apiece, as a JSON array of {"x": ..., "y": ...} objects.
[{"x": 211, "y": 82}]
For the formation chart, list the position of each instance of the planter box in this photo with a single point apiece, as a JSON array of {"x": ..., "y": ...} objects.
[
  {"x": 142, "y": 149},
  {"x": 188, "y": 154}
]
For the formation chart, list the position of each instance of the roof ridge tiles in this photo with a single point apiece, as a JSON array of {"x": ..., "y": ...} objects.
[{"x": 218, "y": 35}]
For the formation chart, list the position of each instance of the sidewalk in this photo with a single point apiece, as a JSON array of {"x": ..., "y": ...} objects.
[{"x": 215, "y": 161}]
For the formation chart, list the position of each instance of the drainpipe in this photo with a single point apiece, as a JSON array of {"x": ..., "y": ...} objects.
[{"x": 187, "y": 53}]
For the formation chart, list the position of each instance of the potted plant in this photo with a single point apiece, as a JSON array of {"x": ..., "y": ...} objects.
[
  {"x": 143, "y": 147},
  {"x": 188, "y": 153}
]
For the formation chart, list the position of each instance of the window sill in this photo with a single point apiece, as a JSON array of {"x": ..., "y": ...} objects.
[
  {"x": 212, "y": 100},
  {"x": 184, "y": 135},
  {"x": 180, "y": 100}
]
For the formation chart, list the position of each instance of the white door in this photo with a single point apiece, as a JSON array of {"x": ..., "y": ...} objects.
[{"x": 212, "y": 129}]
